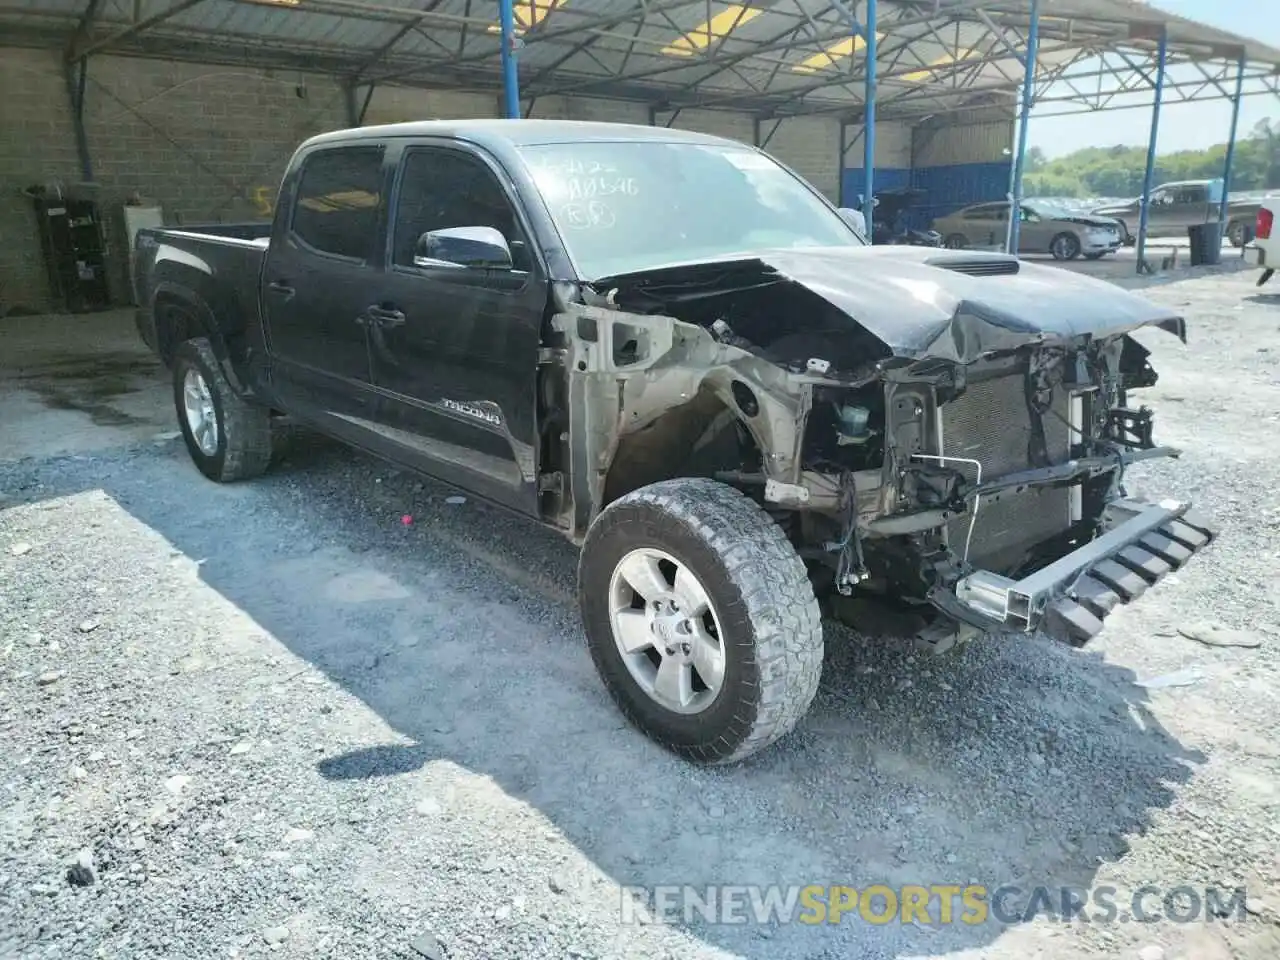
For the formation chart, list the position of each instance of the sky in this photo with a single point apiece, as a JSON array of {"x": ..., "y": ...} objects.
[{"x": 1183, "y": 126}]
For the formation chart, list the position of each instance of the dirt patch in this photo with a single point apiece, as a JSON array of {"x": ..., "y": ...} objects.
[{"x": 88, "y": 383}]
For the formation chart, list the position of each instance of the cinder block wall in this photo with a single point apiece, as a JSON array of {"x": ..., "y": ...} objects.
[
  {"x": 205, "y": 143},
  {"x": 37, "y": 144},
  {"x": 210, "y": 143}
]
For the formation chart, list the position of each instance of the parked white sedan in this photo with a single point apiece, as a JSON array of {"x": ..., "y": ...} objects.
[{"x": 1045, "y": 228}]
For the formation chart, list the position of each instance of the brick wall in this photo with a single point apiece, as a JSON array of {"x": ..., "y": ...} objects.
[
  {"x": 37, "y": 144},
  {"x": 809, "y": 146},
  {"x": 202, "y": 142}
]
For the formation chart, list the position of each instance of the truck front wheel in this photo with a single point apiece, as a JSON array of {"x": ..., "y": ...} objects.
[
  {"x": 228, "y": 437},
  {"x": 700, "y": 618}
]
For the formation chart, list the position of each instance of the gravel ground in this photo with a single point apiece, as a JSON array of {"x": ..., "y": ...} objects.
[{"x": 276, "y": 719}]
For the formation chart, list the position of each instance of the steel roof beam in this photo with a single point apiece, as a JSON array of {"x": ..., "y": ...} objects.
[
  {"x": 789, "y": 37},
  {"x": 804, "y": 89},
  {"x": 399, "y": 35},
  {"x": 544, "y": 35},
  {"x": 784, "y": 42},
  {"x": 80, "y": 50},
  {"x": 82, "y": 30}
]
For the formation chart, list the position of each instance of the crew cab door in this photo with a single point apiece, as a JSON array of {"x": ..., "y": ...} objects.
[
  {"x": 316, "y": 285},
  {"x": 454, "y": 358}
]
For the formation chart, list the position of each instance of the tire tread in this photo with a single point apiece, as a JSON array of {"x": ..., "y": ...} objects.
[
  {"x": 245, "y": 426},
  {"x": 776, "y": 591}
]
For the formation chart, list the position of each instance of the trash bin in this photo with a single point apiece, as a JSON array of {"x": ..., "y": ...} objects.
[{"x": 1206, "y": 243}]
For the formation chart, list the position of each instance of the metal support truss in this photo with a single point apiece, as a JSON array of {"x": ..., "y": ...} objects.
[
  {"x": 1162, "y": 52},
  {"x": 510, "y": 74},
  {"x": 77, "y": 75},
  {"x": 869, "y": 122},
  {"x": 80, "y": 50},
  {"x": 381, "y": 53},
  {"x": 583, "y": 50},
  {"x": 1024, "y": 121},
  {"x": 1231, "y": 140}
]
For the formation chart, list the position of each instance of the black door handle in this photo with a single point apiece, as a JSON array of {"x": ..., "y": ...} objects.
[
  {"x": 386, "y": 316},
  {"x": 280, "y": 288}
]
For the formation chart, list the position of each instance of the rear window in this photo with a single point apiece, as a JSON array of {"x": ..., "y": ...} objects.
[{"x": 338, "y": 198}]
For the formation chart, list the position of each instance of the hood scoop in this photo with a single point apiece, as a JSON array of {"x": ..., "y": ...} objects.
[{"x": 984, "y": 267}]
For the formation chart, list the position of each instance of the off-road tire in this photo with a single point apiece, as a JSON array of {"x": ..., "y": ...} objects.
[
  {"x": 771, "y": 627},
  {"x": 244, "y": 429},
  {"x": 1065, "y": 246},
  {"x": 1235, "y": 233}
]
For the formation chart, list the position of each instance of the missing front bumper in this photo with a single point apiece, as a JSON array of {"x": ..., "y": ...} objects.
[{"x": 1070, "y": 598}]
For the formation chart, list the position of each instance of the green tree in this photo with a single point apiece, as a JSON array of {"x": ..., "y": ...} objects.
[{"x": 1118, "y": 170}]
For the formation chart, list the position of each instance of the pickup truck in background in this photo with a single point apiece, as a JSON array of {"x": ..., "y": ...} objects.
[
  {"x": 675, "y": 352},
  {"x": 1177, "y": 206},
  {"x": 1264, "y": 251}
]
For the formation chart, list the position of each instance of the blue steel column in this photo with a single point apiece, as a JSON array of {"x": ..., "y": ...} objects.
[
  {"x": 840, "y": 165},
  {"x": 1161, "y": 55},
  {"x": 1231, "y": 141},
  {"x": 869, "y": 122},
  {"x": 510, "y": 71},
  {"x": 1024, "y": 115}
]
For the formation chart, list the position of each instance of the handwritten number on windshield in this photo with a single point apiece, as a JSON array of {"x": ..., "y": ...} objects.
[{"x": 585, "y": 216}]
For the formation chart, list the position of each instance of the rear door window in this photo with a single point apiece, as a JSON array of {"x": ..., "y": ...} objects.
[{"x": 339, "y": 196}]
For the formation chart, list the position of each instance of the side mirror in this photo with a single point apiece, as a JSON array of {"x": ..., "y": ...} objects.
[
  {"x": 855, "y": 219},
  {"x": 481, "y": 248}
]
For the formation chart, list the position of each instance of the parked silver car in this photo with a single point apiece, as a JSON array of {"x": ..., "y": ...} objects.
[{"x": 1046, "y": 228}]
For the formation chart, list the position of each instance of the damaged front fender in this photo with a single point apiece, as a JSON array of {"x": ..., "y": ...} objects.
[{"x": 626, "y": 372}]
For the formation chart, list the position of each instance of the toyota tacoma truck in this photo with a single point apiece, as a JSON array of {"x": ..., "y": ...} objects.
[{"x": 674, "y": 351}]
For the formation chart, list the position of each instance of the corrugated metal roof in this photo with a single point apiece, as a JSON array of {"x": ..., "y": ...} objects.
[{"x": 768, "y": 56}]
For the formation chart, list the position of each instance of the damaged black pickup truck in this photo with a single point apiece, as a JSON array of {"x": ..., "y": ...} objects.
[{"x": 674, "y": 351}]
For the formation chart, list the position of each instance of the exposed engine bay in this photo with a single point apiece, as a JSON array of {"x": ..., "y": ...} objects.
[{"x": 937, "y": 435}]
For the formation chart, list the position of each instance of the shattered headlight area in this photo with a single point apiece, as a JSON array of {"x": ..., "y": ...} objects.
[{"x": 961, "y": 462}]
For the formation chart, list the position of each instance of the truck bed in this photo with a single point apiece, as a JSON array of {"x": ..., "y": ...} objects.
[{"x": 219, "y": 263}]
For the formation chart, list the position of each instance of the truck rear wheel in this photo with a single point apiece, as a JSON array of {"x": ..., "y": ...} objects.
[
  {"x": 701, "y": 619},
  {"x": 228, "y": 438}
]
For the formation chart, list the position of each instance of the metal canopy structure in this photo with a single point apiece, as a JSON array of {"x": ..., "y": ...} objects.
[
  {"x": 773, "y": 58},
  {"x": 851, "y": 60}
]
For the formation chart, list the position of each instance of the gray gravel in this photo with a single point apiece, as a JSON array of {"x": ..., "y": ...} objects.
[{"x": 275, "y": 719}]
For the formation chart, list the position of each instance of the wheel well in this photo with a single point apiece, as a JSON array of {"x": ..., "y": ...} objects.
[
  {"x": 696, "y": 439},
  {"x": 176, "y": 323}
]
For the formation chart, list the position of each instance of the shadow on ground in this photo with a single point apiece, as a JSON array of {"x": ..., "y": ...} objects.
[{"x": 1015, "y": 762}]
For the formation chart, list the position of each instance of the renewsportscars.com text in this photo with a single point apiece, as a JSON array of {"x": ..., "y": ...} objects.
[{"x": 970, "y": 904}]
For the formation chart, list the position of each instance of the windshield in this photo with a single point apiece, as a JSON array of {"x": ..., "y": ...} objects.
[{"x": 625, "y": 206}]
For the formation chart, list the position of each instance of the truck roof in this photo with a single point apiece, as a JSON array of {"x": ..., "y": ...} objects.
[{"x": 503, "y": 133}]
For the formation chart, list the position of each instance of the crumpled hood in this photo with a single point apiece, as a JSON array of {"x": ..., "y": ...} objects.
[{"x": 923, "y": 302}]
